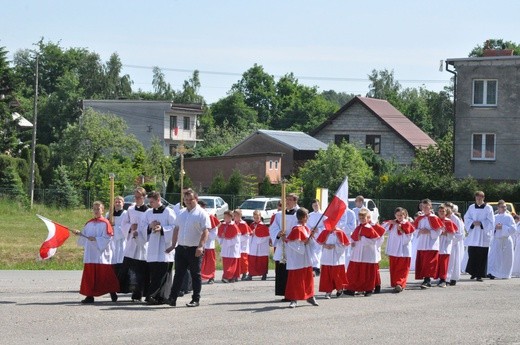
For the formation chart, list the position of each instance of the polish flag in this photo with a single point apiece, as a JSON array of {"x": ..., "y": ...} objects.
[
  {"x": 57, "y": 236},
  {"x": 337, "y": 206}
]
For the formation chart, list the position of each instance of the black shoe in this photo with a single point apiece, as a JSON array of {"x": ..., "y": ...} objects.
[
  {"x": 490, "y": 276},
  {"x": 453, "y": 282},
  {"x": 136, "y": 296},
  {"x": 152, "y": 301},
  {"x": 244, "y": 277},
  {"x": 88, "y": 300},
  {"x": 180, "y": 294},
  {"x": 264, "y": 277},
  {"x": 472, "y": 277},
  {"x": 377, "y": 289},
  {"x": 211, "y": 281},
  {"x": 171, "y": 302},
  {"x": 113, "y": 296},
  {"x": 249, "y": 277},
  {"x": 479, "y": 279},
  {"x": 285, "y": 300},
  {"x": 349, "y": 293},
  {"x": 339, "y": 293},
  {"x": 367, "y": 293},
  {"x": 426, "y": 284},
  {"x": 192, "y": 304}
]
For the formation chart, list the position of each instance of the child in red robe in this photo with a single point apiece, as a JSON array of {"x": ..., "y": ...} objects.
[
  {"x": 258, "y": 248},
  {"x": 300, "y": 280},
  {"x": 332, "y": 272},
  {"x": 445, "y": 244},
  {"x": 229, "y": 238},
  {"x": 245, "y": 235}
]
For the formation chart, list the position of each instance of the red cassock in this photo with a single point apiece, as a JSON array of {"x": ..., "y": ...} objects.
[
  {"x": 245, "y": 230},
  {"x": 230, "y": 263},
  {"x": 98, "y": 276},
  {"x": 400, "y": 265},
  {"x": 426, "y": 262},
  {"x": 364, "y": 276},
  {"x": 444, "y": 259},
  {"x": 333, "y": 277},
  {"x": 209, "y": 260},
  {"x": 259, "y": 250},
  {"x": 300, "y": 280}
]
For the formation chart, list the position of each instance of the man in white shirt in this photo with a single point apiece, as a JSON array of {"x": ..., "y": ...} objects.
[{"x": 189, "y": 236}]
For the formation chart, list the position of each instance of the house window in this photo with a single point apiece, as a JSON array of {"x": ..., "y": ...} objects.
[
  {"x": 270, "y": 165},
  {"x": 374, "y": 142},
  {"x": 186, "y": 126},
  {"x": 275, "y": 165},
  {"x": 485, "y": 92},
  {"x": 173, "y": 150},
  {"x": 174, "y": 129},
  {"x": 483, "y": 146},
  {"x": 338, "y": 138}
]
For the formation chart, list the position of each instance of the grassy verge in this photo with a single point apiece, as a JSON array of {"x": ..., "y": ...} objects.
[{"x": 22, "y": 233}]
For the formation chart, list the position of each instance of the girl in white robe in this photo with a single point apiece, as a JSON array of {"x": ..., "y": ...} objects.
[{"x": 500, "y": 259}]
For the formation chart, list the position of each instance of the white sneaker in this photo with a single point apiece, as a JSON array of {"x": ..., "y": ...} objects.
[{"x": 292, "y": 304}]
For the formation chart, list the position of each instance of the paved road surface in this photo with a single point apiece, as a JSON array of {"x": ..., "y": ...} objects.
[{"x": 42, "y": 307}]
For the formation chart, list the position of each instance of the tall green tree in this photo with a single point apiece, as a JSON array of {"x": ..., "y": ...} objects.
[
  {"x": 259, "y": 91},
  {"x": 330, "y": 167},
  {"x": 233, "y": 111},
  {"x": 94, "y": 137},
  {"x": 162, "y": 89},
  {"x": 384, "y": 86},
  {"x": 190, "y": 91},
  {"x": 9, "y": 142}
]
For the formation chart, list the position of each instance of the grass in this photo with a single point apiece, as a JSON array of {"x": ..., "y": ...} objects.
[{"x": 22, "y": 234}]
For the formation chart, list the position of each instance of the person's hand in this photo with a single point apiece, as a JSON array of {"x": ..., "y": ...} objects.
[
  {"x": 76, "y": 232},
  {"x": 199, "y": 251},
  {"x": 169, "y": 249},
  {"x": 498, "y": 226},
  {"x": 424, "y": 231},
  {"x": 353, "y": 244},
  {"x": 133, "y": 227},
  {"x": 91, "y": 238},
  {"x": 134, "y": 234},
  {"x": 477, "y": 223}
]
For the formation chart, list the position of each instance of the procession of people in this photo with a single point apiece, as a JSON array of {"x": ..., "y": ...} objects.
[{"x": 152, "y": 252}]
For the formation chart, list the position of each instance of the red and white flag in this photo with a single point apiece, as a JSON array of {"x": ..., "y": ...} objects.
[
  {"x": 337, "y": 206},
  {"x": 58, "y": 234}
]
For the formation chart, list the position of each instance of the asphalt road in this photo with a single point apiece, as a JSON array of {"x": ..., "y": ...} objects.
[{"x": 42, "y": 307}]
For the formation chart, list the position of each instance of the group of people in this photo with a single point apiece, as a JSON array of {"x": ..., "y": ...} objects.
[{"x": 152, "y": 252}]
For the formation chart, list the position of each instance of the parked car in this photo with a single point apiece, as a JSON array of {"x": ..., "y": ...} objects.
[
  {"x": 129, "y": 200},
  {"x": 510, "y": 206},
  {"x": 215, "y": 205},
  {"x": 370, "y": 204},
  {"x": 266, "y": 206}
]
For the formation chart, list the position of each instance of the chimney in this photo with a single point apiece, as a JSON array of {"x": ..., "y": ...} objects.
[{"x": 497, "y": 52}]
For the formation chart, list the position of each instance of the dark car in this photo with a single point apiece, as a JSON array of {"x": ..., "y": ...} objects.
[{"x": 129, "y": 200}]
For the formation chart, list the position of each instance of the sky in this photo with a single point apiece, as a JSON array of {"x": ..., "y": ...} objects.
[{"x": 329, "y": 44}]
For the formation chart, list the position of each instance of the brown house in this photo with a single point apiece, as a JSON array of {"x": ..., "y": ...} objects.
[
  {"x": 275, "y": 154},
  {"x": 375, "y": 123}
]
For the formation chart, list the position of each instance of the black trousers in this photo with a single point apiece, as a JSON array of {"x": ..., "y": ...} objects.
[
  {"x": 477, "y": 261},
  {"x": 185, "y": 260},
  {"x": 280, "y": 278}
]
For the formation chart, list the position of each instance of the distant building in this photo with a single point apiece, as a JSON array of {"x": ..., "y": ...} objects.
[
  {"x": 487, "y": 115},
  {"x": 275, "y": 154},
  {"x": 375, "y": 123},
  {"x": 171, "y": 123}
]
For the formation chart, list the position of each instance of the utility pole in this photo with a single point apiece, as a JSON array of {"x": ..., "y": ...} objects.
[{"x": 33, "y": 145}]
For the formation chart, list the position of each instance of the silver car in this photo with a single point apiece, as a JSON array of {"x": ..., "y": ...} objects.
[{"x": 215, "y": 205}]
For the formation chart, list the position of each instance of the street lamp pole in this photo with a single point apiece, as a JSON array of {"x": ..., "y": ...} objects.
[{"x": 33, "y": 144}]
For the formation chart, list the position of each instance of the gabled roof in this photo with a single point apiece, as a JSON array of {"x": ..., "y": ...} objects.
[
  {"x": 391, "y": 117},
  {"x": 298, "y": 141}
]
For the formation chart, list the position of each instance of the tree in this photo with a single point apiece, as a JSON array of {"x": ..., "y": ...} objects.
[
  {"x": 233, "y": 111},
  {"x": 219, "y": 139},
  {"x": 384, "y": 86},
  {"x": 259, "y": 91},
  {"x": 329, "y": 168},
  {"x": 156, "y": 161},
  {"x": 9, "y": 142},
  {"x": 494, "y": 43},
  {"x": 92, "y": 138},
  {"x": 162, "y": 89},
  {"x": 64, "y": 193},
  {"x": 436, "y": 160},
  {"x": 190, "y": 91},
  {"x": 10, "y": 179},
  {"x": 117, "y": 86},
  {"x": 338, "y": 98}
]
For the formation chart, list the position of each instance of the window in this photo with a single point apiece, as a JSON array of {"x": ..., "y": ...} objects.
[
  {"x": 275, "y": 165},
  {"x": 338, "y": 138},
  {"x": 483, "y": 146},
  {"x": 174, "y": 129},
  {"x": 270, "y": 165},
  {"x": 374, "y": 142},
  {"x": 186, "y": 126},
  {"x": 485, "y": 92}
]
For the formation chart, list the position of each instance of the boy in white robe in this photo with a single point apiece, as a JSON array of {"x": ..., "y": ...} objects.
[
  {"x": 457, "y": 249},
  {"x": 315, "y": 222}
]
